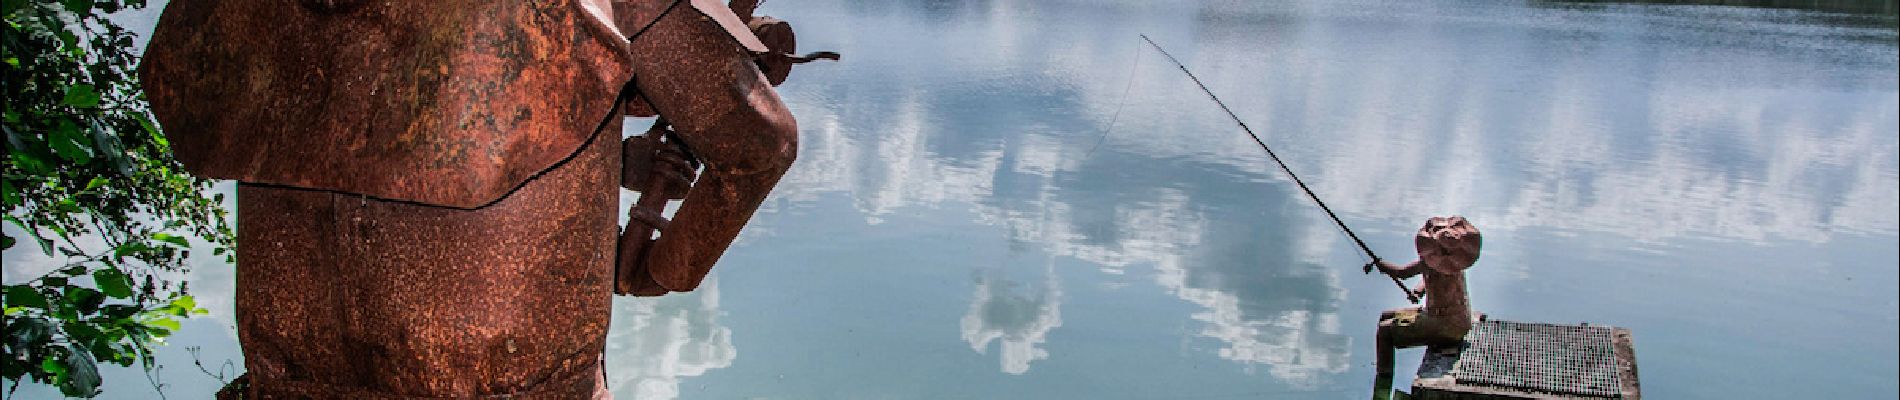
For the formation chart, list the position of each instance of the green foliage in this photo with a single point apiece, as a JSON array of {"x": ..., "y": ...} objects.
[{"x": 89, "y": 179}]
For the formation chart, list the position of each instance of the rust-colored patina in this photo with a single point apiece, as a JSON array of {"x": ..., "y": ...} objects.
[
  {"x": 343, "y": 296},
  {"x": 741, "y": 132},
  {"x": 427, "y": 190},
  {"x": 451, "y": 105}
]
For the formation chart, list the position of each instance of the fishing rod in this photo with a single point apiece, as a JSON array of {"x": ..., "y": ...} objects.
[{"x": 1289, "y": 171}]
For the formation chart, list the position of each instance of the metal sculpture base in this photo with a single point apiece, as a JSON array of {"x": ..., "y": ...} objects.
[{"x": 1523, "y": 360}]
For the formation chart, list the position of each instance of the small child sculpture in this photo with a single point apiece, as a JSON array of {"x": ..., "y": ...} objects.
[{"x": 1446, "y": 247}]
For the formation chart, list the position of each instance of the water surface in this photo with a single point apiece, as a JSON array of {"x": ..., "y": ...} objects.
[{"x": 1720, "y": 180}]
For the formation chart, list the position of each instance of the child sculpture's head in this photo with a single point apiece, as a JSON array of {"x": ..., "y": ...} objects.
[{"x": 1448, "y": 244}]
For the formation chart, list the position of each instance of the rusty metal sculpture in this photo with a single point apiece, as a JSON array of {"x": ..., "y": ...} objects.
[
  {"x": 1447, "y": 246},
  {"x": 427, "y": 191},
  {"x": 740, "y": 168}
]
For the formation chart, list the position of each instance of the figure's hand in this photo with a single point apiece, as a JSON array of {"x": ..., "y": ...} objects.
[
  {"x": 644, "y": 286},
  {"x": 676, "y": 168},
  {"x": 641, "y": 162},
  {"x": 1382, "y": 266}
]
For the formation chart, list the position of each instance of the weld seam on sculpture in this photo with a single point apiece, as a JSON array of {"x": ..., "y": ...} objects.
[{"x": 614, "y": 113}]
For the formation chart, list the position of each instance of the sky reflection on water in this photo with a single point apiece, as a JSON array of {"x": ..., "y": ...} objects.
[
  {"x": 1678, "y": 170},
  {"x": 1721, "y": 180}
]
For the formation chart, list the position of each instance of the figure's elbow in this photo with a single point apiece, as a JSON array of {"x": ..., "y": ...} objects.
[
  {"x": 760, "y": 141},
  {"x": 774, "y": 144},
  {"x": 781, "y": 132}
]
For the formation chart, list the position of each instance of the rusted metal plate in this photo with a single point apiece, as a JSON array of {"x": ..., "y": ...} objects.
[
  {"x": 341, "y": 296},
  {"x": 451, "y": 105}
]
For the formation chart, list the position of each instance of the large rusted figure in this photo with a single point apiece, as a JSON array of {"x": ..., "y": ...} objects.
[{"x": 428, "y": 189}]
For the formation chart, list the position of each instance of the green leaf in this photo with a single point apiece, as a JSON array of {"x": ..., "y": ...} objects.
[
  {"x": 129, "y": 248},
  {"x": 151, "y": 128},
  {"x": 187, "y": 303},
  {"x": 113, "y": 283},
  {"x": 120, "y": 311},
  {"x": 67, "y": 37},
  {"x": 97, "y": 182},
  {"x": 81, "y": 374},
  {"x": 29, "y": 332},
  {"x": 7, "y": 7},
  {"x": 165, "y": 324},
  {"x": 25, "y": 296},
  {"x": 8, "y": 194},
  {"x": 46, "y": 246},
  {"x": 52, "y": 366},
  {"x": 82, "y": 96},
  {"x": 182, "y": 306},
  {"x": 84, "y": 299},
  {"x": 175, "y": 240},
  {"x": 29, "y": 161},
  {"x": 70, "y": 144},
  {"x": 82, "y": 332},
  {"x": 84, "y": 158},
  {"x": 78, "y": 6}
]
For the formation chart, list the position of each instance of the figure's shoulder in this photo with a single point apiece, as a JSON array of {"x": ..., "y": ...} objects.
[{"x": 418, "y": 101}]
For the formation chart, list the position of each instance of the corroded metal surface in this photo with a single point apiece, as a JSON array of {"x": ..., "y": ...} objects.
[
  {"x": 633, "y": 270},
  {"x": 659, "y": 183},
  {"x": 777, "y": 36},
  {"x": 342, "y": 296},
  {"x": 417, "y": 101},
  {"x": 427, "y": 203},
  {"x": 714, "y": 97}
]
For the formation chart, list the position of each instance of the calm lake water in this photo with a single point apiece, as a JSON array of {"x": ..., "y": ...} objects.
[{"x": 1722, "y": 181}]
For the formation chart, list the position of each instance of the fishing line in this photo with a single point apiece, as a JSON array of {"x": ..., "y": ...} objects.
[
  {"x": 1123, "y": 103},
  {"x": 1283, "y": 167}
]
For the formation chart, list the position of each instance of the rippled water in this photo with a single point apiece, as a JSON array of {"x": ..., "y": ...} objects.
[{"x": 1720, "y": 180}]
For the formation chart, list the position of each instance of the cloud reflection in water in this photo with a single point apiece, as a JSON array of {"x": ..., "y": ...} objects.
[
  {"x": 999, "y": 311},
  {"x": 655, "y": 342}
]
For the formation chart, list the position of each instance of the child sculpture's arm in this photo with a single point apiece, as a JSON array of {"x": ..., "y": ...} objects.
[{"x": 1400, "y": 271}]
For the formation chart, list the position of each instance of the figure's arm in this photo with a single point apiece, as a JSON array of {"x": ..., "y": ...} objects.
[
  {"x": 1400, "y": 271},
  {"x": 707, "y": 87}
]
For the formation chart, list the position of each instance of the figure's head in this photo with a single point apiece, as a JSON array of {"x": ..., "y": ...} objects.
[{"x": 1448, "y": 244}]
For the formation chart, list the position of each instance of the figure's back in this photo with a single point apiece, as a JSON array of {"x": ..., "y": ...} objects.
[
  {"x": 427, "y": 196},
  {"x": 450, "y": 105}
]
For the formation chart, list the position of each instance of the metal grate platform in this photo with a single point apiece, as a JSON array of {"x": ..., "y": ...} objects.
[{"x": 1572, "y": 360}]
